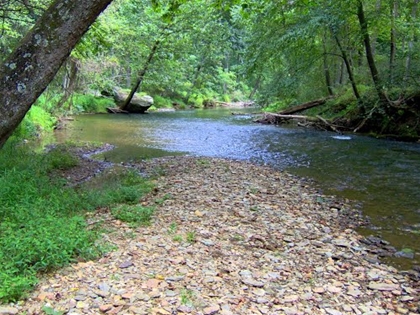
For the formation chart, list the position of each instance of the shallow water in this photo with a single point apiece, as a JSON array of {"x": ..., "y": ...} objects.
[{"x": 384, "y": 176}]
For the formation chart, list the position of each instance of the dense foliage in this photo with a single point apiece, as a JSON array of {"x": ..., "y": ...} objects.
[
  {"x": 365, "y": 54},
  {"x": 43, "y": 224}
]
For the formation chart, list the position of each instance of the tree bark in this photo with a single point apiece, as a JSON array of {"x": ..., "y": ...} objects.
[
  {"x": 141, "y": 75},
  {"x": 369, "y": 54},
  {"x": 348, "y": 67},
  {"x": 327, "y": 74},
  {"x": 69, "y": 82},
  {"x": 303, "y": 107},
  {"x": 29, "y": 69},
  {"x": 414, "y": 13},
  {"x": 393, "y": 45}
]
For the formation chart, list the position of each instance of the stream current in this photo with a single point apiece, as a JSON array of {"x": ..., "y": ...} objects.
[{"x": 382, "y": 176}]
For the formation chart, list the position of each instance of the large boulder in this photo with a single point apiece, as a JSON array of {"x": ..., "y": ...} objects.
[{"x": 138, "y": 104}]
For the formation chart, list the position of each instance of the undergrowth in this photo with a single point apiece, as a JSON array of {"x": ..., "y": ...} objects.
[{"x": 42, "y": 223}]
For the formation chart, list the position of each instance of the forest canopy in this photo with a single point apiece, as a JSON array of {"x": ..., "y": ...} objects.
[{"x": 362, "y": 56}]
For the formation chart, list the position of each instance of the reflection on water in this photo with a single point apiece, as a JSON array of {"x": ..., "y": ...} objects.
[{"x": 383, "y": 175}]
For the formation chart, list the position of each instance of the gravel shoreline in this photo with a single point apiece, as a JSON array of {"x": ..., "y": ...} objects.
[{"x": 229, "y": 237}]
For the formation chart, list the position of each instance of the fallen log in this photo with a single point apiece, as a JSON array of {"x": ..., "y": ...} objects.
[
  {"x": 275, "y": 119},
  {"x": 303, "y": 106},
  {"x": 302, "y": 120},
  {"x": 116, "y": 110}
]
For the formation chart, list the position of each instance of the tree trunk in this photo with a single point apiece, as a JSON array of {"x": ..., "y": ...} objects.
[
  {"x": 141, "y": 75},
  {"x": 29, "y": 69},
  {"x": 70, "y": 79},
  {"x": 326, "y": 68},
  {"x": 348, "y": 67},
  {"x": 256, "y": 87},
  {"x": 369, "y": 55},
  {"x": 414, "y": 13},
  {"x": 393, "y": 46}
]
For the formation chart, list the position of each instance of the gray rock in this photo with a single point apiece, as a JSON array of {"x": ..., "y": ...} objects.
[
  {"x": 383, "y": 286},
  {"x": 139, "y": 104},
  {"x": 252, "y": 282},
  {"x": 8, "y": 310}
]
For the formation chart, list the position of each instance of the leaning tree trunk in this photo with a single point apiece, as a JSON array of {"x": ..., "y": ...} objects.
[
  {"x": 348, "y": 66},
  {"x": 141, "y": 75},
  {"x": 29, "y": 69}
]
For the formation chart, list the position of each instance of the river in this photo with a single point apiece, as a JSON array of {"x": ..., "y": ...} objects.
[{"x": 382, "y": 176}]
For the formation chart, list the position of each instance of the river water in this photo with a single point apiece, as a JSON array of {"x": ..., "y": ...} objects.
[{"x": 382, "y": 176}]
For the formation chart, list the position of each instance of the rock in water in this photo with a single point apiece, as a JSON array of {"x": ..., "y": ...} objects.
[{"x": 139, "y": 104}]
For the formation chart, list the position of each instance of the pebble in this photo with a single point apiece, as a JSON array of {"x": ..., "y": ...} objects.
[
  {"x": 8, "y": 310},
  {"x": 382, "y": 286},
  {"x": 297, "y": 257},
  {"x": 211, "y": 310}
]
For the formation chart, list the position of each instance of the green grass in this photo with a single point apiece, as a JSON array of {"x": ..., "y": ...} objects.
[
  {"x": 42, "y": 221},
  {"x": 135, "y": 215},
  {"x": 86, "y": 103}
]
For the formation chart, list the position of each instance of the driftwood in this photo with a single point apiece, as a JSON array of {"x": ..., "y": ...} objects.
[
  {"x": 235, "y": 104},
  {"x": 116, "y": 110},
  {"x": 276, "y": 119},
  {"x": 302, "y": 120},
  {"x": 302, "y": 107}
]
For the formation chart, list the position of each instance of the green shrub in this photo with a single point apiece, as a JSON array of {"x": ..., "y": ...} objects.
[
  {"x": 36, "y": 122},
  {"x": 161, "y": 102},
  {"x": 42, "y": 223},
  {"x": 133, "y": 214},
  {"x": 86, "y": 103}
]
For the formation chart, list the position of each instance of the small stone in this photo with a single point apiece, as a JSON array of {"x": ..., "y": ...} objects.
[
  {"x": 290, "y": 298},
  {"x": 383, "y": 286},
  {"x": 319, "y": 290},
  {"x": 401, "y": 310},
  {"x": 354, "y": 292},
  {"x": 154, "y": 294},
  {"x": 333, "y": 289},
  {"x": 170, "y": 293},
  {"x": 252, "y": 282},
  {"x": 127, "y": 296},
  {"x": 245, "y": 273},
  {"x": 104, "y": 287},
  {"x": 80, "y": 297},
  {"x": 105, "y": 308},
  {"x": 80, "y": 305},
  {"x": 207, "y": 242},
  {"x": 152, "y": 283},
  {"x": 126, "y": 264},
  {"x": 143, "y": 297},
  {"x": 211, "y": 310},
  {"x": 101, "y": 293},
  {"x": 333, "y": 312},
  {"x": 8, "y": 310},
  {"x": 185, "y": 309},
  {"x": 259, "y": 292},
  {"x": 174, "y": 278},
  {"x": 262, "y": 300},
  {"x": 341, "y": 242}
]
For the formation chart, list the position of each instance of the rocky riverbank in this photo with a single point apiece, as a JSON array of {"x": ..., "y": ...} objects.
[{"x": 228, "y": 238}]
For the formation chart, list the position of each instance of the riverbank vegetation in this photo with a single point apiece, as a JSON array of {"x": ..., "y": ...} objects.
[
  {"x": 44, "y": 216},
  {"x": 364, "y": 57}
]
